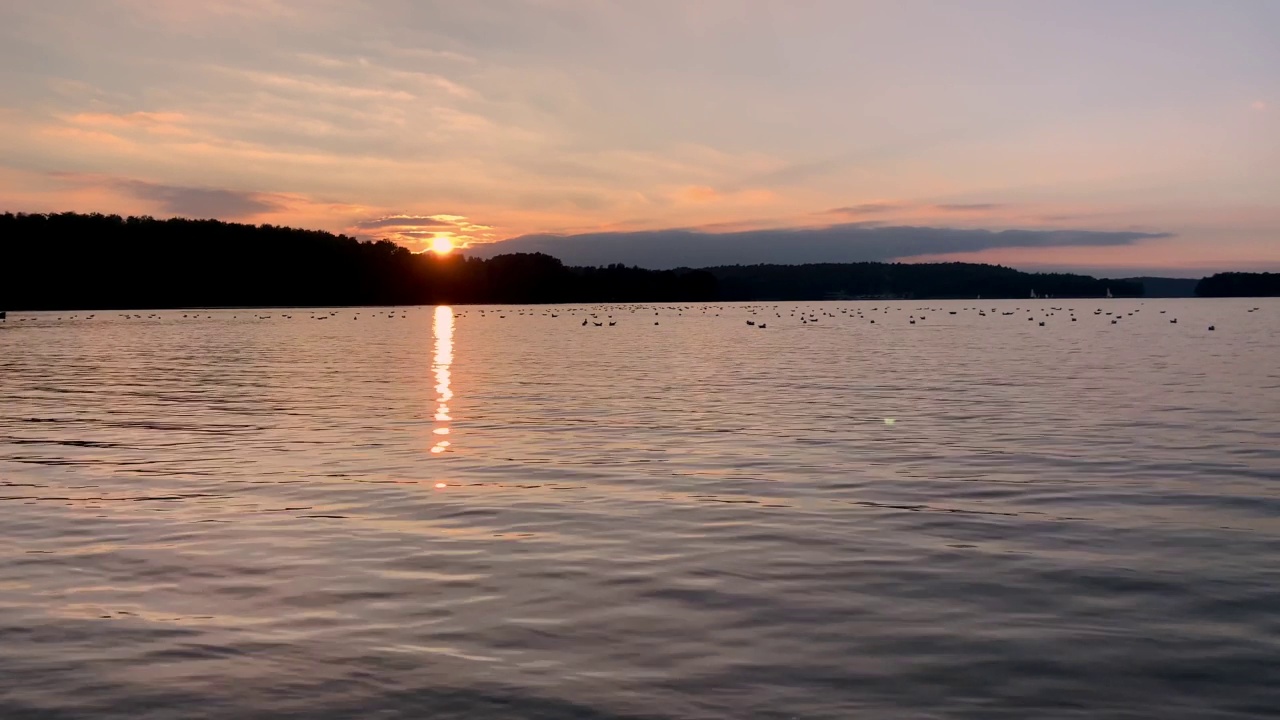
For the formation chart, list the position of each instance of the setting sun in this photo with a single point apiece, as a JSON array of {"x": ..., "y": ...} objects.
[{"x": 441, "y": 245}]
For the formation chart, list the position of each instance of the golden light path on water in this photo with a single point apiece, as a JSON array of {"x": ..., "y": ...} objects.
[{"x": 442, "y": 359}]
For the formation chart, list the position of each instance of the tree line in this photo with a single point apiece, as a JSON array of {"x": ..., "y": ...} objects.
[
  {"x": 94, "y": 261},
  {"x": 1239, "y": 284}
]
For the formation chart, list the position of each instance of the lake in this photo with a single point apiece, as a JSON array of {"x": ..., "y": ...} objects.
[{"x": 484, "y": 512}]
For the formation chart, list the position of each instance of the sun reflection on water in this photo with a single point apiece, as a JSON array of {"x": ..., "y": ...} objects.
[{"x": 442, "y": 359}]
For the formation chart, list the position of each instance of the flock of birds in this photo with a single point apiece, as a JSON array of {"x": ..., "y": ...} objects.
[{"x": 757, "y": 314}]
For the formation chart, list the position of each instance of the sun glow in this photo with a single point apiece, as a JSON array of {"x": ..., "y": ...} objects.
[{"x": 441, "y": 245}]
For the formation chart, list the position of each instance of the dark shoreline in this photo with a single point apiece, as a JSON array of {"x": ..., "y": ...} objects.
[{"x": 73, "y": 261}]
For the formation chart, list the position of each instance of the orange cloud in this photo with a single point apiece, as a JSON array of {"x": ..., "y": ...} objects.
[
  {"x": 97, "y": 138},
  {"x": 699, "y": 194},
  {"x": 703, "y": 195},
  {"x": 158, "y": 123},
  {"x": 421, "y": 232}
]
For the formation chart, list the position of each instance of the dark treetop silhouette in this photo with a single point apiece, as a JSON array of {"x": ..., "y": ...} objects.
[
  {"x": 1239, "y": 284},
  {"x": 71, "y": 261}
]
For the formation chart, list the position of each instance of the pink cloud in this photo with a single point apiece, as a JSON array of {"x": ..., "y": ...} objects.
[{"x": 159, "y": 123}]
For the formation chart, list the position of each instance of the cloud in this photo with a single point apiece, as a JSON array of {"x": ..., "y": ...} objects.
[
  {"x": 881, "y": 207},
  {"x": 871, "y": 208},
  {"x": 56, "y": 191},
  {"x": 699, "y": 194},
  {"x": 162, "y": 123},
  {"x": 416, "y": 231},
  {"x": 198, "y": 16},
  {"x": 850, "y": 242},
  {"x": 406, "y": 221},
  {"x": 201, "y": 202},
  {"x": 705, "y": 194},
  {"x": 968, "y": 207}
]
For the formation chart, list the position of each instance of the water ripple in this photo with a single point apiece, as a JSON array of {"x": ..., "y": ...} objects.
[{"x": 459, "y": 515}]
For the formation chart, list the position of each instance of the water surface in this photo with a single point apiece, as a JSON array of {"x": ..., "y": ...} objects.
[{"x": 497, "y": 513}]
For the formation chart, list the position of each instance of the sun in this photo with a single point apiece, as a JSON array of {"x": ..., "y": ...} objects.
[{"x": 441, "y": 245}]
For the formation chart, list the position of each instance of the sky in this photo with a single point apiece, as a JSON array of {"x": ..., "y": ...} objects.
[{"x": 1114, "y": 137}]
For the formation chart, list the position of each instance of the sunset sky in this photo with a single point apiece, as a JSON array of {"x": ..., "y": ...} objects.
[{"x": 1148, "y": 130}]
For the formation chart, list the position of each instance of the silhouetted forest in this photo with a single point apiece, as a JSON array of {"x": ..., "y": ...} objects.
[
  {"x": 1163, "y": 287},
  {"x": 1240, "y": 284},
  {"x": 72, "y": 261},
  {"x": 78, "y": 261}
]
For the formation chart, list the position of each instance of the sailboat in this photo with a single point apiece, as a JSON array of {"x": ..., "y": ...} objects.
[
  {"x": 1109, "y": 292},
  {"x": 1033, "y": 293}
]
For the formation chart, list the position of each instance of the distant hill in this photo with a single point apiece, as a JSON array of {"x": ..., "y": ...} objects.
[
  {"x": 1240, "y": 284},
  {"x": 1162, "y": 287}
]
